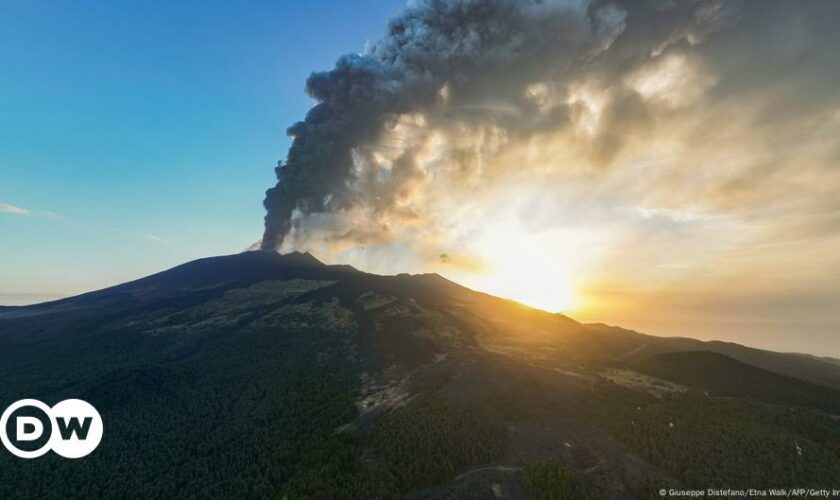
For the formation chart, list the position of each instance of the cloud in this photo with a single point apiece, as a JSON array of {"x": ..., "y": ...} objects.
[
  {"x": 674, "y": 215},
  {"x": 157, "y": 239},
  {"x": 518, "y": 94},
  {"x": 14, "y": 210},
  {"x": 462, "y": 97},
  {"x": 11, "y": 209}
]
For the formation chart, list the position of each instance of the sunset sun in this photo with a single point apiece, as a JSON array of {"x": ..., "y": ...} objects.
[{"x": 538, "y": 270}]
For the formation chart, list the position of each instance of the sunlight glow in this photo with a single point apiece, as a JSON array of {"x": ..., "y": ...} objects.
[{"x": 535, "y": 269}]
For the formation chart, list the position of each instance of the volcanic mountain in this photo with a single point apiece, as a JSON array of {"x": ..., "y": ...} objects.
[{"x": 261, "y": 375}]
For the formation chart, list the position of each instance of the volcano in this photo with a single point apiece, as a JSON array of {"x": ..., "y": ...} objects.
[{"x": 261, "y": 375}]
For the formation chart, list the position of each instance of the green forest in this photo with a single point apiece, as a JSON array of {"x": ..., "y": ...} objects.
[{"x": 258, "y": 392}]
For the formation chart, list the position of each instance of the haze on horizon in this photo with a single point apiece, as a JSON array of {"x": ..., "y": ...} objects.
[{"x": 671, "y": 167}]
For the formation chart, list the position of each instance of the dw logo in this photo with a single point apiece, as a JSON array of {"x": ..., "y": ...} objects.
[{"x": 72, "y": 428}]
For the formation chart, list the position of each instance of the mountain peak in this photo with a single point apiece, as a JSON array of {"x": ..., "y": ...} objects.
[{"x": 303, "y": 257}]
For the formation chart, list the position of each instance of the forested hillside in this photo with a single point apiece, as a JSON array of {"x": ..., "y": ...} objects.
[{"x": 266, "y": 376}]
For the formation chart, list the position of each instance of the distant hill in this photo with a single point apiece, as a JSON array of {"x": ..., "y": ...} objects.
[
  {"x": 724, "y": 376},
  {"x": 260, "y": 375},
  {"x": 821, "y": 370}
]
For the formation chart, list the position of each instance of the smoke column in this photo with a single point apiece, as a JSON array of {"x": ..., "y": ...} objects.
[{"x": 453, "y": 58}]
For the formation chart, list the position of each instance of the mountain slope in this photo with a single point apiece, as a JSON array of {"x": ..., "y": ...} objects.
[
  {"x": 818, "y": 370},
  {"x": 725, "y": 376},
  {"x": 272, "y": 376}
]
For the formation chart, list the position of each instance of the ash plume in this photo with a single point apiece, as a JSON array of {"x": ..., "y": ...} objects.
[
  {"x": 455, "y": 54},
  {"x": 463, "y": 100}
]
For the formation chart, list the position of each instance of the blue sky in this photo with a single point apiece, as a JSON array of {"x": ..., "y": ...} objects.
[{"x": 139, "y": 135}]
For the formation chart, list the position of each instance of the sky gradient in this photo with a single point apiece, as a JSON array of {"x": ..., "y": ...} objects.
[
  {"x": 671, "y": 168},
  {"x": 139, "y": 136}
]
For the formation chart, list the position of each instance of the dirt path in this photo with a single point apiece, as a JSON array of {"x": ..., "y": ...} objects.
[{"x": 499, "y": 468}]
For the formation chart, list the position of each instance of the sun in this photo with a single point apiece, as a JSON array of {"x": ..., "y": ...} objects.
[{"x": 535, "y": 269}]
